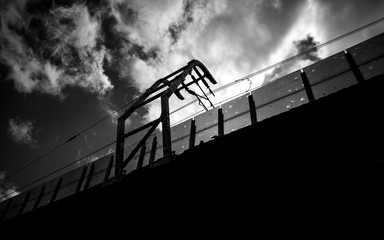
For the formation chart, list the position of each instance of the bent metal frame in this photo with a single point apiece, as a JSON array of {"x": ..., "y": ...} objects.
[{"x": 173, "y": 82}]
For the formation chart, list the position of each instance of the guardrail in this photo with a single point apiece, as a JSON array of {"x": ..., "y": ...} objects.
[{"x": 341, "y": 70}]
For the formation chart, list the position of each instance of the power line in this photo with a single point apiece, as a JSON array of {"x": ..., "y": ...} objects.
[
  {"x": 68, "y": 140},
  {"x": 285, "y": 61},
  {"x": 214, "y": 91},
  {"x": 49, "y": 174}
]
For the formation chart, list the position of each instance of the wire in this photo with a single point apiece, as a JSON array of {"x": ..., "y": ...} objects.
[
  {"x": 49, "y": 174},
  {"x": 285, "y": 61},
  {"x": 214, "y": 91},
  {"x": 68, "y": 140}
]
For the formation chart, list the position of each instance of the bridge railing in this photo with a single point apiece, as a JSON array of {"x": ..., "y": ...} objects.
[{"x": 285, "y": 93}]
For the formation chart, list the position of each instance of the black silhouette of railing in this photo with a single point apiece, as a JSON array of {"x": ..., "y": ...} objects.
[{"x": 357, "y": 64}]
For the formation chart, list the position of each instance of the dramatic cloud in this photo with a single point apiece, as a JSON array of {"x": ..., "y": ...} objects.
[
  {"x": 21, "y": 132},
  {"x": 73, "y": 44},
  {"x": 48, "y": 51},
  {"x": 299, "y": 46},
  {"x": 231, "y": 38},
  {"x": 7, "y": 190}
]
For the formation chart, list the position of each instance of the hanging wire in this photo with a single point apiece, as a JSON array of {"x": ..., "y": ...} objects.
[
  {"x": 247, "y": 77},
  {"x": 58, "y": 170}
]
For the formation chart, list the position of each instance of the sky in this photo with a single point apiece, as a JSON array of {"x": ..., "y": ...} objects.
[{"x": 64, "y": 65}]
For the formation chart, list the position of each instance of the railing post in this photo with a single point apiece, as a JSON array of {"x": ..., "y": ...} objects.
[
  {"x": 307, "y": 86},
  {"x": 167, "y": 144},
  {"x": 90, "y": 175},
  {"x": 81, "y": 180},
  {"x": 120, "y": 147},
  {"x": 54, "y": 194},
  {"x": 141, "y": 157},
  {"x": 153, "y": 151},
  {"x": 26, "y": 199},
  {"x": 42, "y": 190},
  {"x": 192, "y": 134},
  {"x": 220, "y": 122},
  {"x": 252, "y": 109},
  {"x": 6, "y": 209},
  {"x": 109, "y": 168},
  {"x": 355, "y": 69}
]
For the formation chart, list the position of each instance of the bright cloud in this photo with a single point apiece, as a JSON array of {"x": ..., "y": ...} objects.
[
  {"x": 21, "y": 132},
  {"x": 62, "y": 50}
]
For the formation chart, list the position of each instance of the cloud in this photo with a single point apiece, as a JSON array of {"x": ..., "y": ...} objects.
[
  {"x": 7, "y": 190},
  {"x": 21, "y": 132},
  {"x": 48, "y": 51},
  {"x": 231, "y": 38},
  {"x": 297, "y": 47},
  {"x": 144, "y": 40}
]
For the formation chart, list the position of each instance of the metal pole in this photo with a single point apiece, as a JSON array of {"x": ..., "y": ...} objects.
[
  {"x": 120, "y": 147},
  {"x": 307, "y": 86},
  {"x": 221, "y": 122},
  {"x": 192, "y": 134},
  {"x": 252, "y": 110},
  {"x": 141, "y": 157},
  {"x": 355, "y": 69},
  {"x": 26, "y": 199},
  {"x": 153, "y": 151},
  {"x": 81, "y": 180},
  {"x": 36, "y": 205},
  {"x": 89, "y": 177},
  {"x": 57, "y": 188},
  {"x": 109, "y": 168},
  {"x": 167, "y": 144}
]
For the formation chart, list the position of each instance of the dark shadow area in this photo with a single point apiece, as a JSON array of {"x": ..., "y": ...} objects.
[{"x": 315, "y": 170}]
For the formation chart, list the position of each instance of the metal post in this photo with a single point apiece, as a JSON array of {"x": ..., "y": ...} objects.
[
  {"x": 141, "y": 157},
  {"x": 90, "y": 175},
  {"x": 153, "y": 151},
  {"x": 26, "y": 199},
  {"x": 6, "y": 209},
  {"x": 81, "y": 180},
  {"x": 120, "y": 147},
  {"x": 167, "y": 144},
  {"x": 252, "y": 109},
  {"x": 192, "y": 134},
  {"x": 109, "y": 168},
  {"x": 355, "y": 69},
  {"x": 39, "y": 197},
  {"x": 54, "y": 194},
  {"x": 57, "y": 188},
  {"x": 307, "y": 86},
  {"x": 221, "y": 122}
]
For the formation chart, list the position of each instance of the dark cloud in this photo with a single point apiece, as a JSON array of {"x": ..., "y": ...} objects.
[
  {"x": 129, "y": 14},
  {"x": 299, "y": 46},
  {"x": 306, "y": 44},
  {"x": 188, "y": 8}
]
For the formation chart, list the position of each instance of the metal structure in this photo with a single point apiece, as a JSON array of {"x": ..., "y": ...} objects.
[
  {"x": 341, "y": 70},
  {"x": 172, "y": 84}
]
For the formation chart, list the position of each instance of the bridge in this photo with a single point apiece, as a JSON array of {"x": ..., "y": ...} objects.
[{"x": 301, "y": 155}]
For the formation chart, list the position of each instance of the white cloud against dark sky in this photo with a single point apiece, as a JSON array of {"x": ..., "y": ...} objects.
[
  {"x": 21, "y": 132},
  {"x": 65, "y": 64}
]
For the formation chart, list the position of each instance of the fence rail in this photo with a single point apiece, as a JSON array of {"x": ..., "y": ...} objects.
[{"x": 341, "y": 70}]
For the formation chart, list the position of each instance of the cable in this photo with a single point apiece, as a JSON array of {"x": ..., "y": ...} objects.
[
  {"x": 49, "y": 174},
  {"x": 214, "y": 91},
  {"x": 68, "y": 140},
  {"x": 285, "y": 61}
]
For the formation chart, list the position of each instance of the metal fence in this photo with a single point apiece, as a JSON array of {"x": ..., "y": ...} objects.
[{"x": 358, "y": 63}]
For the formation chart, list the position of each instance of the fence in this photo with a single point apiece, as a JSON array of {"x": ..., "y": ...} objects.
[{"x": 358, "y": 63}]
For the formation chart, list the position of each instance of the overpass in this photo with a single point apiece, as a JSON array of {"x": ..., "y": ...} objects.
[{"x": 310, "y": 168}]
